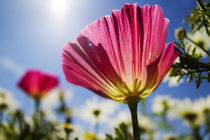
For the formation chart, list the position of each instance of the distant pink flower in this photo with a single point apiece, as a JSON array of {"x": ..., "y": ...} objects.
[
  {"x": 37, "y": 83},
  {"x": 121, "y": 55}
]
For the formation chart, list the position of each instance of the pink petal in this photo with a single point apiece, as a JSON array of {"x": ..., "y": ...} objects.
[
  {"x": 48, "y": 82},
  {"x": 155, "y": 32},
  {"x": 31, "y": 82},
  {"x": 90, "y": 67},
  {"x": 36, "y": 83},
  {"x": 167, "y": 59}
]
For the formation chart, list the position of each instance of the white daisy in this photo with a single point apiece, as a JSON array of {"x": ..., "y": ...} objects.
[
  {"x": 52, "y": 99},
  {"x": 204, "y": 108},
  {"x": 7, "y": 100},
  {"x": 188, "y": 111},
  {"x": 162, "y": 103},
  {"x": 170, "y": 137},
  {"x": 200, "y": 37},
  {"x": 95, "y": 111}
]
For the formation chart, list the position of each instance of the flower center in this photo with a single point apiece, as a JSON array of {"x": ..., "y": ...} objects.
[
  {"x": 206, "y": 111},
  {"x": 190, "y": 116},
  {"x": 165, "y": 105},
  {"x": 96, "y": 112},
  {"x": 3, "y": 106}
]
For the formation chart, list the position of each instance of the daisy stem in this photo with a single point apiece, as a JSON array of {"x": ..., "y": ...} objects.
[
  {"x": 133, "y": 104},
  {"x": 96, "y": 127},
  {"x": 67, "y": 135},
  {"x": 1, "y": 117},
  {"x": 1, "y": 120}
]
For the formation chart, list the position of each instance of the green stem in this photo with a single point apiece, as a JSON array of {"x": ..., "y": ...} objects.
[
  {"x": 67, "y": 135},
  {"x": 202, "y": 6},
  {"x": 133, "y": 104},
  {"x": 1, "y": 118},
  {"x": 96, "y": 127},
  {"x": 37, "y": 105},
  {"x": 195, "y": 131}
]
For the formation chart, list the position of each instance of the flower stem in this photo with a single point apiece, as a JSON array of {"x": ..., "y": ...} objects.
[
  {"x": 96, "y": 127},
  {"x": 1, "y": 118},
  {"x": 37, "y": 105},
  {"x": 133, "y": 104}
]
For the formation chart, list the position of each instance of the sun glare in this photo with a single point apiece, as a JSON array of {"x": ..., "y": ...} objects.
[{"x": 59, "y": 7}]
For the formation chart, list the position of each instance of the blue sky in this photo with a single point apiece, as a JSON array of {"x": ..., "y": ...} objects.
[{"x": 33, "y": 32}]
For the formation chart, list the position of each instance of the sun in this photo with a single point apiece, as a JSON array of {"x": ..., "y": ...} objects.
[{"x": 59, "y": 7}]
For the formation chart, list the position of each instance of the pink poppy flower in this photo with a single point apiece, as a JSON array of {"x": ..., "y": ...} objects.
[
  {"x": 121, "y": 55},
  {"x": 37, "y": 83}
]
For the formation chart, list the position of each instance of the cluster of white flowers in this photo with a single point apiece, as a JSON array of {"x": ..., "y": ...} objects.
[
  {"x": 7, "y": 100},
  {"x": 192, "y": 112}
]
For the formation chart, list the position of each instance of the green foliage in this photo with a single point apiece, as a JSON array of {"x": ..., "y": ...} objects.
[
  {"x": 165, "y": 126},
  {"x": 200, "y": 17},
  {"x": 17, "y": 128},
  {"x": 192, "y": 64},
  {"x": 121, "y": 133}
]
